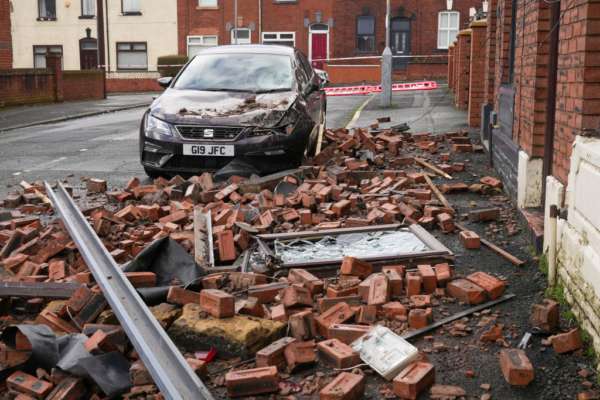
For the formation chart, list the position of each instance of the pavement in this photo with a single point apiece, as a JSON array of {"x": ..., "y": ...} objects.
[
  {"x": 26, "y": 116},
  {"x": 423, "y": 110}
]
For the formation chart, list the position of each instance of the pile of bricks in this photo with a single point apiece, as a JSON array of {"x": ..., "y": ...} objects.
[{"x": 362, "y": 177}]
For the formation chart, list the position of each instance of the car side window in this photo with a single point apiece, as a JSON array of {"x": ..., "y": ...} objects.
[
  {"x": 308, "y": 70},
  {"x": 300, "y": 73}
]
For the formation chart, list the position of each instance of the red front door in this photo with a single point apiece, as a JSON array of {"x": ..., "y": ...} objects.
[{"x": 319, "y": 49}]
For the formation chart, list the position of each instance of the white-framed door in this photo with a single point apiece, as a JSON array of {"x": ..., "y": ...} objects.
[{"x": 318, "y": 44}]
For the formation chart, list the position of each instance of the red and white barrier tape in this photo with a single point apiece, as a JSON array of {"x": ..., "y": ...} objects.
[{"x": 368, "y": 89}]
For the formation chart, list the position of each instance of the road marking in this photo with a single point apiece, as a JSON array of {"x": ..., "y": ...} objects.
[
  {"x": 16, "y": 174},
  {"x": 359, "y": 111},
  {"x": 82, "y": 150}
]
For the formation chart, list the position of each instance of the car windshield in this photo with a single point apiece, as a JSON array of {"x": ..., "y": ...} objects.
[{"x": 238, "y": 73}]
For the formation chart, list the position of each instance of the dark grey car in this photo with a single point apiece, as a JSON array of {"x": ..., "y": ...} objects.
[{"x": 251, "y": 109}]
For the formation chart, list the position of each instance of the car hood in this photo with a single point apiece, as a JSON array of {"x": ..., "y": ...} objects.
[{"x": 222, "y": 108}]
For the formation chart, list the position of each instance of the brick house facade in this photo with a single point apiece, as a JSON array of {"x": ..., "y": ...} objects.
[
  {"x": 5, "y": 35},
  {"x": 333, "y": 29}
]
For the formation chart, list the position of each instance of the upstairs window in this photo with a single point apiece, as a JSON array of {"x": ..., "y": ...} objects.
[
  {"x": 208, "y": 3},
  {"x": 131, "y": 7},
  {"x": 88, "y": 8},
  {"x": 365, "y": 33},
  {"x": 448, "y": 22},
  {"x": 46, "y": 10}
]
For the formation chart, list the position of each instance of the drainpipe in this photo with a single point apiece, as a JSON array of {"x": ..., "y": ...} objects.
[
  {"x": 551, "y": 98},
  {"x": 552, "y": 245},
  {"x": 107, "y": 37},
  {"x": 259, "y": 21}
]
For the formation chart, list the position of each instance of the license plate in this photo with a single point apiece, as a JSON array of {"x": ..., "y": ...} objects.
[{"x": 209, "y": 150}]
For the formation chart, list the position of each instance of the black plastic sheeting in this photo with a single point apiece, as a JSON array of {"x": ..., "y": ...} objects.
[
  {"x": 109, "y": 371},
  {"x": 171, "y": 263}
]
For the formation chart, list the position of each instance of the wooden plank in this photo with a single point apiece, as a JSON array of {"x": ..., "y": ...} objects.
[
  {"x": 514, "y": 260},
  {"x": 432, "y": 167},
  {"x": 201, "y": 241},
  {"x": 438, "y": 194},
  {"x": 49, "y": 290}
]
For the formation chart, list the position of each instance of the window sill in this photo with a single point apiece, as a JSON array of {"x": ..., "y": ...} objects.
[
  {"x": 207, "y": 8},
  {"x": 133, "y": 13},
  {"x": 44, "y": 19},
  {"x": 87, "y": 16},
  {"x": 285, "y": 2},
  {"x": 131, "y": 70}
]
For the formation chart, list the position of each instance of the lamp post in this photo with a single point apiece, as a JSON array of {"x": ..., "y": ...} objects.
[{"x": 386, "y": 64}]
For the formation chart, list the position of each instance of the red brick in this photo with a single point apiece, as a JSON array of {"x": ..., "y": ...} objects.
[
  {"x": 311, "y": 282},
  {"x": 338, "y": 354},
  {"x": 181, "y": 296},
  {"x": 94, "y": 185},
  {"x": 470, "y": 240},
  {"x": 266, "y": 293},
  {"x": 429, "y": 278},
  {"x": 337, "y": 314},
  {"x": 443, "y": 273},
  {"x": 79, "y": 299},
  {"x": 69, "y": 388},
  {"x": 296, "y": 296},
  {"x": 420, "y": 301},
  {"x": 414, "y": 282},
  {"x": 446, "y": 222},
  {"x": 419, "y": 318},
  {"x": 279, "y": 313},
  {"x": 413, "y": 380},
  {"x": 394, "y": 309},
  {"x": 300, "y": 353},
  {"x": 217, "y": 303},
  {"x": 252, "y": 382},
  {"x": 493, "y": 286},
  {"x": 345, "y": 386},
  {"x": 325, "y": 303},
  {"x": 56, "y": 270},
  {"x": 483, "y": 215},
  {"x": 142, "y": 279},
  {"x": 516, "y": 367},
  {"x": 305, "y": 217},
  {"x": 379, "y": 290},
  {"x": 25, "y": 383},
  {"x": 354, "y": 266},
  {"x": 302, "y": 325},
  {"x": 273, "y": 353},
  {"x": 395, "y": 280},
  {"x": 366, "y": 315},
  {"x": 490, "y": 181},
  {"x": 226, "y": 246},
  {"x": 566, "y": 342},
  {"x": 466, "y": 291},
  {"x": 347, "y": 333},
  {"x": 341, "y": 208},
  {"x": 545, "y": 316}
]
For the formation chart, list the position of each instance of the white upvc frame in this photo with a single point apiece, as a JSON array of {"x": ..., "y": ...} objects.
[
  {"x": 448, "y": 28},
  {"x": 278, "y": 37},
  {"x": 310, "y": 33},
  {"x": 202, "y": 37},
  {"x": 241, "y": 41}
]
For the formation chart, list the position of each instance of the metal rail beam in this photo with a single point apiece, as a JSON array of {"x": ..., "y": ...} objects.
[{"x": 168, "y": 368}]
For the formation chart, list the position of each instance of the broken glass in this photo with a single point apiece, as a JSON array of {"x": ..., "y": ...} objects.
[{"x": 361, "y": 245}]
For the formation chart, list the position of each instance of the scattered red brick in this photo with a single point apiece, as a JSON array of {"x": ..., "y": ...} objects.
[
  {"x": 346, "y": 386},
  {"x": 252, "y": 382},
  {"x": 566, "y": 342},
  {"x": 516, "y": 367},
  {"x": 413, "y": 380}
]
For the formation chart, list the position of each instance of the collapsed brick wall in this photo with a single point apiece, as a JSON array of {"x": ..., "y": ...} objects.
[
  {"x": 83, "y": 85},
  {"x": 531, "y": 75},
  {"x": 490, "y": 54},
  {"x": 26, "y": 86},
  {"x": 476, "y": 71},
  {"x": 463, "y": 69},
  {"x": 5, "y": 36},
  {"x": 578, "y": 80}
]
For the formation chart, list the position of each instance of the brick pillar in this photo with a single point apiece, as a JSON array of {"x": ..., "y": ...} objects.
[
  {"x": 577, "y": 103},
  {"x": 455, "y": 69},
  {"x": 54, "y": 63},
  {"x": 476, "y": 72},
  {"x": 490, "y": 53},
  {"x": 503, "y": 28},
  {"x": 462, "y": 76},
  {"x": 451, "y": 67}
]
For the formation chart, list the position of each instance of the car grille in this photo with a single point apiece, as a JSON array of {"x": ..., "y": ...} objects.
[{"x": 196, "y": 132}]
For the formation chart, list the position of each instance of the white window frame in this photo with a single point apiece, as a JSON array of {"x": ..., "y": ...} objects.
[
  {"x": 202, "y": 45},
  {"x": 278, "y": 37},
  {"x": 131, "y": 7},
  {"x": 88, "y": 8},
  {"x": 214, "y": 4},
  {"x": 448, "y": 29},
  {"x": 241, "y": 40},
  {"x": 132, "y": 49}
]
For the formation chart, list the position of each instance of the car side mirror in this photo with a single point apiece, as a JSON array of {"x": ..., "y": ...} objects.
[
  {"x": 165, "y": 81},
  {"x": 310, "y": 88}
]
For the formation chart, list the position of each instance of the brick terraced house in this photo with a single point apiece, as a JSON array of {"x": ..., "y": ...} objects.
[
  {"x": 529, "y": 77},
  {"x": 333, "y": 29}
]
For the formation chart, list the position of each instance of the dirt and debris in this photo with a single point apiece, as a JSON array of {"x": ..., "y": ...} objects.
[{"x": 207, "y": 258}]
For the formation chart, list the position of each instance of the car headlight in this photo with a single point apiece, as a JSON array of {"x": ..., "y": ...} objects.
[{"x": 156, "y": 127}]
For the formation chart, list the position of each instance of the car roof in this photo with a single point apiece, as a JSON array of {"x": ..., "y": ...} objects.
[{"x": 250, "y": 48}]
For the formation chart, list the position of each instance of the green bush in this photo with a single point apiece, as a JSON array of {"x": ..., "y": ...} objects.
[{"x": 164, "y": 64}]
